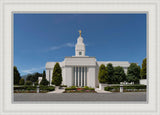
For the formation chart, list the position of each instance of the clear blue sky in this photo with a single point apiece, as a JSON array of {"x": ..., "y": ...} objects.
[{"x": 41, "y": 38}]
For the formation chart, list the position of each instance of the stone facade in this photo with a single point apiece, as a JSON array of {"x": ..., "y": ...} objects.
[{"x": 81, "y": 70}]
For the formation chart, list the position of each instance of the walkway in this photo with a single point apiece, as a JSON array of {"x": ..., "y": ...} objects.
[
  {"x": 57, "y": 90},
  {"x": 128, "y": 96}
]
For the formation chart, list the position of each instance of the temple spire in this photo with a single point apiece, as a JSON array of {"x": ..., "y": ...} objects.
[{"x": 80, "y": 33}]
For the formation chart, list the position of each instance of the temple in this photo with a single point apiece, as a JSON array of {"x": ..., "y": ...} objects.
[{"x": 81, "y": 70}]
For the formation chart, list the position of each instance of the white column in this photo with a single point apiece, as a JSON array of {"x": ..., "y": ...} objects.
[
  {"x": 81, "y": 76},
  {"x": 84, "y": 76},
  {"x": 78, "y": 76},
  {"x": 75, "y": 75}
]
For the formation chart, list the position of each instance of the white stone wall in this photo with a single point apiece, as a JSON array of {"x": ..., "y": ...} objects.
[
  {"x": 68, "y": 76},
  {"x": 91, "y": 75},
  {"x": 143, "y": 81}
]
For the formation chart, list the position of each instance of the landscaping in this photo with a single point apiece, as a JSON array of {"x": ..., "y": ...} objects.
[
  {"x": 127, "y": 88},
  {"x": 33, "y": 89},
  {"x": 74, "y": 89}
]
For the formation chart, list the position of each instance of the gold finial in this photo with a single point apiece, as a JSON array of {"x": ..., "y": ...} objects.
[{"x": 80, "y": 32}]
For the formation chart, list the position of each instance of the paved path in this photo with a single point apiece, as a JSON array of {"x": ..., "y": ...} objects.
[
  {"x": 101, "y": 91},
  {"x": 128, "y": 96},
  {"x": 57, "y": 90}
]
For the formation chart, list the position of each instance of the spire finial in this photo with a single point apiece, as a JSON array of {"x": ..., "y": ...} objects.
[{"x": 80, "y": 32}]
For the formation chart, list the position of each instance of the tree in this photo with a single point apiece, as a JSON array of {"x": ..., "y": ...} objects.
[
  {"x": 144, "y": 69},
  {"x": 110, "y": 73},
  {"x": 16, "y": 76},
  {"x": 21, "y": 81},
  {"x": 28, "y": 83},
  {"x": 57, "y": 75},
  {"x": 33, "y": 77},
  {"x": 119, "y": 74},
  {"x": 133, "y": 73},
  {"x": 102, "y": 74},
  {"x": 44, "y": 80}
]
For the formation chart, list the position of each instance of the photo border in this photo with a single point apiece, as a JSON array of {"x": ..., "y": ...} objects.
[{"x": 80, "y": 6}]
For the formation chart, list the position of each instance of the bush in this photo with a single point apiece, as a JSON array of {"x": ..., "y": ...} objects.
[
  {"x": 27, "y": 87},
  {"x": 48, "y": 88},
  {"x": 36, "y": 83},
  {"x": 71, "y": 88},
  {"x": 110, "y": 88},
  {"x": 21, "y": 81},
  {"x": 135, "y": 87},
  {"x": 28, "y": 83},
  {"x": 63, "y": 85}
]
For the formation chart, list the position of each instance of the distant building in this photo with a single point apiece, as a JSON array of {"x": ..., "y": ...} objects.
[{"x": 81, "y": 70}]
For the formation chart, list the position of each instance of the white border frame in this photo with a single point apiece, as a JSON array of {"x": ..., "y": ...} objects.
[{"x": 150, "y": 6}]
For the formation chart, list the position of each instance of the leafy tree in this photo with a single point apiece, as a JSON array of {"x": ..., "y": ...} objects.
[
  {"x": 29, "y": 77},
  {"x": 110, "y": 73},
  {"x": 144, "y": 69},
  {"x": 102, "y": 74},
  {"x": 16, "y": 76},
  {"x": 21, "y": 81},
  {"x": 119, "y": 74},
  {"x": 57, "y": 75},
  {"x": 44, "y": 80},
  {"x": 133, "y": 73},
  {"x": 28, "y": 83},
  {"x": 33, "y": 77}
]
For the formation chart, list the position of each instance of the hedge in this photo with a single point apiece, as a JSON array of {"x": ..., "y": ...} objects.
[
  {"x": 48, "y": 88},
  {"x": 110, "y": 88},
  {"x": 25, "y": 88},
  {"x": 75, "y": 88}
]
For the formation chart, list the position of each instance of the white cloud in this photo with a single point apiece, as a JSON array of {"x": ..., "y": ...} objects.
[
  {"x": 62, "y": 46},
  {"x": 32, "y": 70}
]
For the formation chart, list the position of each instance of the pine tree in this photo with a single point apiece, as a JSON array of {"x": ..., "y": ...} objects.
[
  {"x": 16, "y": 76},
  {"x": 57, "y": 75},
  {"x": 144, "y": 69},
  {"x": 44, "y": 80}
]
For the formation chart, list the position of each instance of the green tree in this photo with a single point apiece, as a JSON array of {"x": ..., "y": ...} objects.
[
  {"x": 33, "y": 77},
  {"x": 16, "y": 76},
  {"x": 44, "y": 80},
  {"x": 144, "y": 69},
  {"x": 119, "y": 74},
  {"x": 28, "y": 83},
  {"x": 102, "y": 74},
  {"x": 21, "y": 81},
  {"x": 57, "y": 75},
  {"x": 110, "y": 73},
  {"x": 133, "y": 73}
]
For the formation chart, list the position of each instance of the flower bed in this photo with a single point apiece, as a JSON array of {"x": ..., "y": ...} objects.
[{"x": 74, "y": 89}]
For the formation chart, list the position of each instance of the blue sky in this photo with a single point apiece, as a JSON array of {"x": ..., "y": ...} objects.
[{"x": 41, "y": 38}]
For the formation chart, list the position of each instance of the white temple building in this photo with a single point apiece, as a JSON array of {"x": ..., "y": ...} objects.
[{"x": 81, "y": 70}]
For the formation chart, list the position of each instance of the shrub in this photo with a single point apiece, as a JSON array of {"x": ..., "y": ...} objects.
[
  {"x": 71, "y": 88},
  {"x": 48, "y": 88},
  {"x": 21, "y": 81},
  {"x": 36, "y": 83},
  {"x": 110, "y": 88},
  {"x": 63, "y": 85},
  {"x": 26, "y": 87},
  {"x": 28, "y": 83}
]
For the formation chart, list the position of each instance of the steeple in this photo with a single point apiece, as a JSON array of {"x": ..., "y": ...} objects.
[{"x": 80, "y": 47}]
